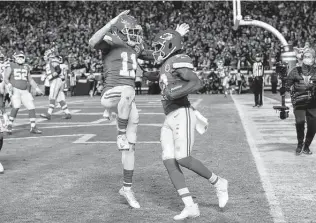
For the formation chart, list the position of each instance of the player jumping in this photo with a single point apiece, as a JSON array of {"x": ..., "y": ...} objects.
[
  {"x": 177, "y": 80},
  {"x": 17, "y": 79},
  {"x": 121, "y": 42},
  {"x": 56, "y": 77}
]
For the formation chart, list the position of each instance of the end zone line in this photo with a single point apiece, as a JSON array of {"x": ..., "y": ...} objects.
[{"x": 275, "y": 208}]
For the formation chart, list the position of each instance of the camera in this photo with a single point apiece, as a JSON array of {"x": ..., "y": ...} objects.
[{"x": 281, "y": 70}]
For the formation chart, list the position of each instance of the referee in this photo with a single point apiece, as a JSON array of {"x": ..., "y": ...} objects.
[{"x": 257, "y": 84}]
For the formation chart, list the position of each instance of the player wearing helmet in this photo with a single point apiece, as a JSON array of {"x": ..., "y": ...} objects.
[
  {"x": 56, "y": 77},
  {"x": 17, "y": 78},
  {"x": 121, "y": 43},
  {"x": 177, "y": 81}
]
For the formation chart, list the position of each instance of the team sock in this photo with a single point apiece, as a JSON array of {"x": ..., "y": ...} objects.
[
  {"x": 122, "y": 125},
  {"x": 128, "y": 178}
]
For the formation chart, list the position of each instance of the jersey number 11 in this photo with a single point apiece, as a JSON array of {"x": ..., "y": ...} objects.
[{"x": 125, "y": 61}]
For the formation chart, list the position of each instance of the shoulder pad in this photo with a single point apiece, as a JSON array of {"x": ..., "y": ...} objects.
[{"x": 182, "y": 61}]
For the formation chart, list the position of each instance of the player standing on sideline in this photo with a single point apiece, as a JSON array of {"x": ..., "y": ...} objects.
[
  {"x": 301, "y": 81},
  {"x": 56, "y": 77},
  {"x": 17, "y": 78},
  {"x": 258, "y": 73},
  {"x": 177, "y": 81},
  {"x": 3, "y": 92}
]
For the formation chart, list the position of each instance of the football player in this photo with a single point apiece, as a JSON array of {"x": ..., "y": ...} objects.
[
  {"x": 17, "y": 79},
  {"x": 121, "y": 43},
  {"x": 177, "y": 81},
  {"x": 3, "y": 64},
  {"x": 55, "y": 75}
]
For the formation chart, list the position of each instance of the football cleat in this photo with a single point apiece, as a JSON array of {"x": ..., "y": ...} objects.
[
  {"x": 47, "y": 116},
  {"x": 130, "y": 197},
  {"x": 1, "y": 169},
  {"x": 35, "y": 130},
  {"x": 188, "y": 212},
  {"x": 222, "y": 192},
  {"x": 67, "y": 116},
  {"x": 122, "y": 142}
]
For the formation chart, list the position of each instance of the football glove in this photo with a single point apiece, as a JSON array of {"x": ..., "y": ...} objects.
[{"x": 183, "y": 29}]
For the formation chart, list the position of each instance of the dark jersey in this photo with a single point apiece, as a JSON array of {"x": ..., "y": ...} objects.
[
  {"x": 120, "y": 62},
  {"x": 168, "y": 75},
  {"x": 19, "y": 76}
]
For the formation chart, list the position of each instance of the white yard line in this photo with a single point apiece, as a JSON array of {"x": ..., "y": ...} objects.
[{"x": 275, "y": 207}]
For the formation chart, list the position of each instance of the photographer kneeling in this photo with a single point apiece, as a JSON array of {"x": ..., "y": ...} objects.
[{"x": 301, "y": 82}]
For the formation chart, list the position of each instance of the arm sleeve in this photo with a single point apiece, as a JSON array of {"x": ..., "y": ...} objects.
[
  {"x": 146, "y": 55},
  {"x": 190, "y": 83}
]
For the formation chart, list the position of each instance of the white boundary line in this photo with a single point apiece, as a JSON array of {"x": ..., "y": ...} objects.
[{"x": 275, "y": 207}]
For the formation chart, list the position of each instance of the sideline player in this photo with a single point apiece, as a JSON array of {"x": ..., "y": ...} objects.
[
  {"x": 56, "y": 77},
  {"x": 17, "y": 79},
  {"x": 177, "y": 80}
]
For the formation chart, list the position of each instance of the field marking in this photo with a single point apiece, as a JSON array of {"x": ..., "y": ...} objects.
[
  {"x": 38, "y": 137},
  {"x": 101, "y": 113},
  {"x": 275, "y": 207},
  {"x": 57, "y": 125}
]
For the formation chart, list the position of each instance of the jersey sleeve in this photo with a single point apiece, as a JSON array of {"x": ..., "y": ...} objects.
[
  {"x": 182, "y": 61},
  {"x": 183, "y": 67},
  {"x": 109, "y": 40}
]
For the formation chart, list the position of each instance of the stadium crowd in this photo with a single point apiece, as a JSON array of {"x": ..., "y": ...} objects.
[{"x": 37, "y": 26}]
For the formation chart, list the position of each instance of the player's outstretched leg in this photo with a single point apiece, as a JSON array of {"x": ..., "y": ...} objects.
[
  {"x": 185, "y": 123},
  {"x": 64, "y": 107},
  {"x": 128, "y": 158},
  {"x": 32, "y": 116},
  {"x": 175, "y": 173},
  {"x": 13, "y": 114},
  {"x": 123, "y": 111},
  {"x": 221, "y": 185},
  {"x": 50, "y": 110}
]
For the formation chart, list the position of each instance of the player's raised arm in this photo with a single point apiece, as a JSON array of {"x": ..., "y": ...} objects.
[{"x": 99, "y": 35}]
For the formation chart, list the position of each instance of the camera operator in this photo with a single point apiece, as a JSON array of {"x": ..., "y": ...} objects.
[{"x": 301, "y": 82}]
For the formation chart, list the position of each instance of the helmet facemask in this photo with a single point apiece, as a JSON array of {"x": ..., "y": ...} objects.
[
  {"x": 2, "y": 58},
  {"x": 159, "y": 53},
  {"x": 19, "y": 58},
  {"x": 134, "y": 36}
]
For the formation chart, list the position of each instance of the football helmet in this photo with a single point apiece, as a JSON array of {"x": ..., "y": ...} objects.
[
  {"x": 49, "y": 54},
  {"x": 19, "y": 57},
  {"x": 165, "y": 44},
  {"x": 128, "y": 30}
]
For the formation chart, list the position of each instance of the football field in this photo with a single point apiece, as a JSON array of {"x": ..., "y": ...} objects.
[{"x": 72, "y": 172}]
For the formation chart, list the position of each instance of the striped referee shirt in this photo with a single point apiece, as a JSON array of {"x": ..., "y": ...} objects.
[{"x": 257, "y": 69}]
